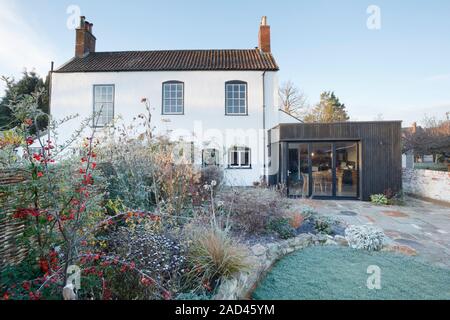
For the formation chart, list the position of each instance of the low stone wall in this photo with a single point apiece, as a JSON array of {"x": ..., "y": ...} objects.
[
  {"x": 428, "y": 184},
  {"x": 262, "y": 259}
]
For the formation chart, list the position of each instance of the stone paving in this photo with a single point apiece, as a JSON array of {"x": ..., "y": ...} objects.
[{"x": 417, "y": 228}]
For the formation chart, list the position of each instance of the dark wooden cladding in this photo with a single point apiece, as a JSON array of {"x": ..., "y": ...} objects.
[{"x": 380, "y": 161}]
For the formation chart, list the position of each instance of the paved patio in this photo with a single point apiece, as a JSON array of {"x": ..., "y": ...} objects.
[{"x": 419, "y": 227}]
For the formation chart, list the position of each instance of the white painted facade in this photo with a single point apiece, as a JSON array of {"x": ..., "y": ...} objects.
[{"x": 204, "y": 121}]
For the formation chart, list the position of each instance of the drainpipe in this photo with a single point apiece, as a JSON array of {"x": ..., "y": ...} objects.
[
  {"x": 50, "y": 82},
  {"x": 264, "y": 123}
]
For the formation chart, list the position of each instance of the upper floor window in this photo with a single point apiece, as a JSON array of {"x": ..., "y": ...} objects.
[
  {"x": 239, "y": 157},
  {"x": 173, "y": 97},
  {"x": 236, "y": 98},
  {"x": 103, "y": 105}
]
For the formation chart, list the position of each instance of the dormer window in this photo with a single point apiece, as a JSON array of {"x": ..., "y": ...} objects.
[
  {"x": 236, "y": 98},
  {"x": 173, "y": 97}
]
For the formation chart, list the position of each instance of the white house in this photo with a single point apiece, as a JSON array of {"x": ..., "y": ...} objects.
[{"x": 223, "y": 101}]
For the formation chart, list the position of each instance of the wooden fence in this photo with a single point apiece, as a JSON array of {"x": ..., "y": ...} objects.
[{"x": 12, "y": 252}]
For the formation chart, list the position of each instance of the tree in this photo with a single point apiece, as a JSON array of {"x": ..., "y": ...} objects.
[
  {"x": 432, "y": 138},
  {"x": 293, "y": 101},
  {"x": 30, "y": 84},
  {"x": 329, "y": 109}
]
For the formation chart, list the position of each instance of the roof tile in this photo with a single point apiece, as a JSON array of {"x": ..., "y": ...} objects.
[{"x": 172, "y": 60}]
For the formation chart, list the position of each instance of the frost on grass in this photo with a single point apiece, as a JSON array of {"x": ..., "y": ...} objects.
[{"x": 365, "y": 237}]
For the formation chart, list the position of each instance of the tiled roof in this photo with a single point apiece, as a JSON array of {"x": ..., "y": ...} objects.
[{"x": 172, "y": 60}]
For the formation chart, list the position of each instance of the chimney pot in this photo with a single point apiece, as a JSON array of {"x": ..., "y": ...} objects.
[
  {"x": 264, "y": 21},
  {"x": 85, "y": 40}
]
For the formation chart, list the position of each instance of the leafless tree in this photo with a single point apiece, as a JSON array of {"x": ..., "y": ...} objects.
[
  {"x": 432, "y": 138},
  {"x": 292, "y": 99}
]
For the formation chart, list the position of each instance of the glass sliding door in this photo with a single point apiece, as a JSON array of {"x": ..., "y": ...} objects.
[
  {"x": 298, "y": 170},
  {"x": 347, "y": 168},
  {"x": 322, "y": 169}
]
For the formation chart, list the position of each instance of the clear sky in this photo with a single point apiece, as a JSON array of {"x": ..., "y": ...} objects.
[{"x": 401, "y": 70}]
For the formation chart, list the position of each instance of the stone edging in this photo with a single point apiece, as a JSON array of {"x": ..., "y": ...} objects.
[{"x": 263, "y": 257}]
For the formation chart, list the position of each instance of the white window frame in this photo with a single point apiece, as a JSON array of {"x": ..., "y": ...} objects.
[
  {"x": 241, "y": 151},
  {"x": 238, "y": 96},
  {"x": 103, "y": 103},
  {"x": 172, "y": 87}
]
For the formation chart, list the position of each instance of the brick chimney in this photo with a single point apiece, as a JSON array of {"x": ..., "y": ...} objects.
[
  {"x": 85, "y": 40},
  {"x": 264, "y": 35},
  {"x": 414, "y": 127}
]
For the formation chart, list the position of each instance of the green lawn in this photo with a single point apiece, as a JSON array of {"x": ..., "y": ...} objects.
[{"x": 331, "y": 272}]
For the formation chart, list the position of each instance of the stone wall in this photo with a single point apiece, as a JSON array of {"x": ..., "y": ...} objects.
[
  {"x": 262, "y": 258},
  {"x": 429, "y": 184}
]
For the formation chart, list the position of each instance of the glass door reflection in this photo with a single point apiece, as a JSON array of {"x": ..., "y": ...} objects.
[
  {"x": 298, "y": 170},
  {"x": 347, "y": 169},
  {"x": 321, "y": 168}
]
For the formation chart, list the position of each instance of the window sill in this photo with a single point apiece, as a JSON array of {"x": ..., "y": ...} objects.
[{"x": 239, "y": 168}]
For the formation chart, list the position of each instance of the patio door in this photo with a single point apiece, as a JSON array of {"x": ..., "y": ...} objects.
[
  {"x": 298, "y": 170},
  {"x": 323, "y": 169}
]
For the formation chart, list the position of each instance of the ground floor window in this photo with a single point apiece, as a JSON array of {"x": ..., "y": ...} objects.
[
  {"x": 210, "y": 157},
  {"x": 239, "y": 157}
]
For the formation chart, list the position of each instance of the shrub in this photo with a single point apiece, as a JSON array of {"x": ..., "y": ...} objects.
[
  {"x": 322, "y": 225},
  {"x": 365, "y": 237},
  {"x": 282, "y": 227},
  {"x": 211, "y": 173},
  {"x": 193, "y": 296},
  {"x": 252, "y": 209},
  {"x": 379, "y": 199},
  {"x": 308, "y": 212},
  {"x": 158, "y": 255},
  {"x": 213, "y": 255},
  {"x": 296, "y": 220}
]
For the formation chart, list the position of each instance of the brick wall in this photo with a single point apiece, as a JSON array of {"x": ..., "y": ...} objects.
[{"x": 427, "y": 183}]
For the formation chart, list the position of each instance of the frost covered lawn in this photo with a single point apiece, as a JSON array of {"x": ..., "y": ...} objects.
[{"x": 341, "y": 273}]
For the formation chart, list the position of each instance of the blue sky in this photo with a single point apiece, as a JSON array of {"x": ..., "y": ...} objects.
[{"x": 401, "y": 71}]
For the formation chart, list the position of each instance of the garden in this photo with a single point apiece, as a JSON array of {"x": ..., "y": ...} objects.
[
  {"x": 118, "y": 216},
  {"x": 124, "y": 216}
]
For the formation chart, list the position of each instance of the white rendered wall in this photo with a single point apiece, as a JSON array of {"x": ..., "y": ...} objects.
[{"x": 204, "y": 120}]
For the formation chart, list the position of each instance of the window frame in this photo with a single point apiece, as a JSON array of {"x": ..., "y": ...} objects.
[
  {"x": 239, "y": 150},
  {"x": 162, "y": 98},
  {"x": 233, "y": 82},
  {"x": 94, "y": 122}
]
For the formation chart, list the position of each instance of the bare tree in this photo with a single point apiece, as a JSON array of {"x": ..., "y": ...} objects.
[
  {"x": 432, "y": 138},
  {"x": 292, "y": 99}
]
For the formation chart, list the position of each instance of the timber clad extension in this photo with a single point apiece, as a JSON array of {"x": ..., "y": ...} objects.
[{"x": 379, "y": 150}]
